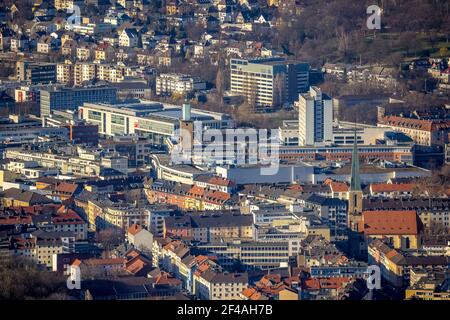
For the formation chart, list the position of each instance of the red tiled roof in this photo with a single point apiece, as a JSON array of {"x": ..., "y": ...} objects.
[
  {"x": 134, "y": 229},
  {"x": 417, "y": 124},
  {"x": 165, "y": 279},
  {"x": 338, "y": 186},
  {"x": 68, "y": 216},
  {"x": 20, "y": 243},
  {"x": 9, "y": 220},
  {"x": 221, "y": 181},
  {"x": 251, "y": 294},
  {"x": 76, "y": 262},
  {"x": 325, "y": 283},
  {"x": 136, "y": 264},
  {"x": 296, "y": 187},
  {"x": 399, "y": 222},
  {"x": 197, "y": 191},
  {"x": 217, "y": 197},
  {"x": 390, "y": 187},
  {"x": 64, "y": 187}
]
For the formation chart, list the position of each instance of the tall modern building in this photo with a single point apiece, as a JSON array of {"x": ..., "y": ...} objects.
[
  {"x": 72, "y": 98},
  {"x": 315, "y": 117},
  {"x": 36, "y": 72},
  {"x": 270, "y": 81}
]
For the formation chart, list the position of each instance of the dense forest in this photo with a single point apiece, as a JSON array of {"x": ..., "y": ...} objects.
[{"x": 332, "y": 31}]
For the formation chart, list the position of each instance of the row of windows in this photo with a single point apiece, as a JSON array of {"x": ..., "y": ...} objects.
[
  {"x": 252, "y": 74},
  {"x": 94, "y": 115}
]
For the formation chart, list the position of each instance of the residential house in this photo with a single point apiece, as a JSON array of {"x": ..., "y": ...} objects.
[
  {"x": 140, "y": 238},
  {"x": 129, "y": 37}
]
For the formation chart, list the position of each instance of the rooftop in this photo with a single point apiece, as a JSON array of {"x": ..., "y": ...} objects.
[{"x": 401, "y": 222}]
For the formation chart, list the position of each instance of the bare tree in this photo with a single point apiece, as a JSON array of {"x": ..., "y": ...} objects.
[
  {"x": 110, "y": 238},
  {"x": 279, "y": 88},
  {"x": 220, "y": 84}
]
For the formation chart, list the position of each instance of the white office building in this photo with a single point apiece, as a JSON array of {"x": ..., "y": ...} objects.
[
  {"x": 315, "y": 117},
  {"x": 173, "y": 83}
]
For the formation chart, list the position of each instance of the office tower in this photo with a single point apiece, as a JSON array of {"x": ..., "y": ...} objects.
[
  {"x": 315, "y": 117},
  {"x": 270, "y": 81}
]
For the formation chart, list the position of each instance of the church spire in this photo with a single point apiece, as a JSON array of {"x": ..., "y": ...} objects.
[{"x": 355, "y": 182}]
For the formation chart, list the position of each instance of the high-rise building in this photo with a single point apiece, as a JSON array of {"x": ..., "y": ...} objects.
[
  {"x": 71, "y": 98},
  {"x": 269, "y": 81},
  {"x": 315, "y": 117}
]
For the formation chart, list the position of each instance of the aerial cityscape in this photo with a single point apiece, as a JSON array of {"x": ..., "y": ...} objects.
[{"x": 246, "y": 150}]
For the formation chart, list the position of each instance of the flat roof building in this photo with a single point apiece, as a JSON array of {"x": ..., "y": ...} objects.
[
  {"x": 150, "y": 119},
  {"x": 72, "y": 98},
  {"x": 36, "y": 72}
]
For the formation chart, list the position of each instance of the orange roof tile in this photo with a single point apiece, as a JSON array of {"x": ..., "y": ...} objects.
[
  {"x": 134, "y": 229},
  {"x": 389, "y": 187},
  {"x": 396, "y": 222},
  {"x": 64, "y": 187},
  {"x": 76, "y": 262},
  {"x": 339, "y": 186},
  {"x": 251, "y": 294},
  {"x": 197, "y": 192},
  {"x": 9, "y": 220},
  {"x": 221, "y": 181},
  {"x": 416, "y": 124},
  {"x": 296, "y": 187}
]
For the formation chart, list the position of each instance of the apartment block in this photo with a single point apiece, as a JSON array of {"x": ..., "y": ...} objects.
[
  {"x": 171, "y": 83},
  {"x": 65, "y": 73},
  {"x": 84, "y": 72},
  {"x": 209, "y": 227}
]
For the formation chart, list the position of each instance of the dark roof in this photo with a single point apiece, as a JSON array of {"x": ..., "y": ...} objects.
[
  {"x": 113, "y": 288},
  {"x": 406, "y": 204},
  {"x": 131, "y": 32},
  {"x": 130, "y": 85},
  {"x": 325, "y": 201},
  {"x": 223, "y": 277},
  {"x": 110, "y": 172},
  {"x": 209, "y": 219},
  {"x": 26, "y": 196}
]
